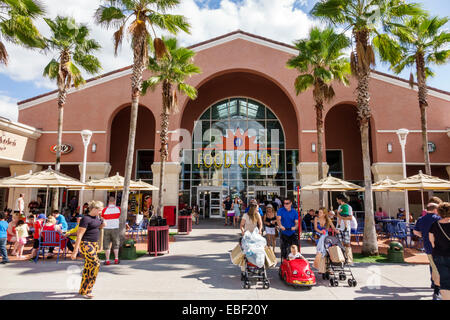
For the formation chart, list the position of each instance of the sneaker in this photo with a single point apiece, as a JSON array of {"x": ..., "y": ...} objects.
[
  {"x": 116, "y": 261},
  {"x": 5, "y": 261},
  {"x": 107, "y": 263},
  {"x": 437, "y": 296}
]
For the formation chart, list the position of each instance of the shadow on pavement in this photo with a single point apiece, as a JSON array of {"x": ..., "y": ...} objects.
[
  {"x": 390, "y": 293},
  {"x": 38, "y": 295}
]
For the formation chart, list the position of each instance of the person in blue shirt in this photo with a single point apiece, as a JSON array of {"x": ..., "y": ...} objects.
[
  {"x": 421, "y": 229},
  {"x": 3, "y": 238},
  {"x": 254, "y": 202},
  {"x": 287, "y": 219},
  {"x": 60, "y": 219}
]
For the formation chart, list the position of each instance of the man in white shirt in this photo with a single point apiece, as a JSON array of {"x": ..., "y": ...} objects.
[
  {"x": 111, "y": 215},
  {"x": 20, "y": 204}
]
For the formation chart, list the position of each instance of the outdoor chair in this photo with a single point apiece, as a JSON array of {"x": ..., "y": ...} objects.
[
  {"x": 138, "y": 229},
  {"x": 402, "y": 232},
  {"x": 50, "y": 239},
  {"x": 359, "y": 232}
]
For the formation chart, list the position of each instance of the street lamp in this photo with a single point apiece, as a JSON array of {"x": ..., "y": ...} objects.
[
  {"x": 402, "y": 134},
  {"x": 86, "y": 136}
]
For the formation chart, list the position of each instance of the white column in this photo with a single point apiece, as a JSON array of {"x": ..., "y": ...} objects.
[{"x": 308, "y": 173}]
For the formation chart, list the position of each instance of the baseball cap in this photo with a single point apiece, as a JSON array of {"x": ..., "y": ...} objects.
[{"x": 41, "y": 216}]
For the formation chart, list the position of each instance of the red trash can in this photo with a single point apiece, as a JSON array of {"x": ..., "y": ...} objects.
[
  {"x": 185, "y": 224},
  {"x": 169, "y": 213},
  {"x": 158, "y": 239}
]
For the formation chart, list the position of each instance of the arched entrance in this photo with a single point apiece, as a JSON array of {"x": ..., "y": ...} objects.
[
  {"x": 238, "y": 149},
  {"x": 343, "y": 149},
  {"x": 144, "y": 143}
]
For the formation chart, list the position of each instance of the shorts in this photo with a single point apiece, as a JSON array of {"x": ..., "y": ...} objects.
[
  {"x": 22, "y": 241},
  {"x": 270, "y": 231},
  {"x": 443, "y": 266},
  {"x": 36, "y": 244},
  {"x": 111, "y": 236},
  {"x": 432, "y": 264},
  {"x": 344, "y": 236}
]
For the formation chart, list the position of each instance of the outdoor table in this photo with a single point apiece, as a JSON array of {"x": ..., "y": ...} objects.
[{"x": 158, "y": 239}]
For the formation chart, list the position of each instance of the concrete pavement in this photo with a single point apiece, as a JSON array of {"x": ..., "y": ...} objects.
[{"x": 198, "y": 267}]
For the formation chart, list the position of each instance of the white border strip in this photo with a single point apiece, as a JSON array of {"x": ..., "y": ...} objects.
[
  {"x": 247, "y": 38},
  {"x": 406, "y": 85},
  {"x": 71, "y": 90},
  {"x": 212, "y": 44},
  {"x": 309, "y": 131},
  {"x": 413, "y": 131},
  {"x": 413, "y": 163},
  {"x": 79, "y": 132}
]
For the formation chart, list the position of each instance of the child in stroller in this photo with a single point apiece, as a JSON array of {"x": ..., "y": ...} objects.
[{"x": 337, "y": 266}]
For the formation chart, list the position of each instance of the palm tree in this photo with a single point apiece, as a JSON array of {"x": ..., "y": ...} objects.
[
  {"x": 171, "y": 72},
  {"x": 70, "y": 41},
  {"x": 320, "y": 61},
  {"x": 422, "y": 42},
  {"x": 16, "y": 25},
  {"x": 145, "y": 15},
  {"x": 363, "y": 17}
]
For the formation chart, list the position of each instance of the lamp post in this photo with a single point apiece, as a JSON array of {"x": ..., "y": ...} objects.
[
  {"x": 86, "y": 136},
  {"x": 402, "y": 134}
]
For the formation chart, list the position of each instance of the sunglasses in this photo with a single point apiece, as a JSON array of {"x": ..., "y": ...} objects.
[{"x": 287, "y": 203}]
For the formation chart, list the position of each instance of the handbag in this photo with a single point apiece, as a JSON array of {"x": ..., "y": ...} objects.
[{"x": 440, "y": 227}]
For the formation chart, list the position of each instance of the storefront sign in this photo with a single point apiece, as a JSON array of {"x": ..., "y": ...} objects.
[
  {"x": 7, "y": 142},
  {"x": 65, "y": 148},
  {"x": 238, "y": 148}
]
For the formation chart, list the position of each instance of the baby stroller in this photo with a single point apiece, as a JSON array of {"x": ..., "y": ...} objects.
[
  {"x": 337, "y": 265},
  {"x": 254, "y": 275}
]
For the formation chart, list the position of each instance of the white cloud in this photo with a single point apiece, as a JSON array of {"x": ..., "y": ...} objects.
[
  {"x": 272, "y": 19},
  {"x": 8, "y": 107}
]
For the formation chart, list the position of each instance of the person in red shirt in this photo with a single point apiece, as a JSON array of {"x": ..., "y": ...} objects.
[{"x": 111, "y": 235}]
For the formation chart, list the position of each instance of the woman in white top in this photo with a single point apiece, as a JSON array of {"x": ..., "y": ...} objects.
[{"x": 251, "y": 220}]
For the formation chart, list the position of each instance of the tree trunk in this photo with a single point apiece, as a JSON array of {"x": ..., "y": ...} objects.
[
  {"x": 136, "y": 88},
  {"x": 370, "y": 243},
  {"x": 423, "y": 104},
  {"x": 62, "y": 95},
  {"x": 319, "y": 127},
  {"x": 164, "y": 136}
]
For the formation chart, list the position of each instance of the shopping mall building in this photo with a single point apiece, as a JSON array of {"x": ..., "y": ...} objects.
[{"x": 246, "y": 134}]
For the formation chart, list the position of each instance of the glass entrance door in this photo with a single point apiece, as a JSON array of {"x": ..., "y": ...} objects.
[{"x": 210, "y": 201}]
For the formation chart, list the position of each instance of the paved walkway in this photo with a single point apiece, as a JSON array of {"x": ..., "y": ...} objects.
[{"x": 199, "y": 267}]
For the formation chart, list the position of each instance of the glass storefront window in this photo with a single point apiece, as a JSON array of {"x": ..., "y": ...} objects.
[
  {"x": 241, "y": 147},
  {"x": 144, "y": 161}
]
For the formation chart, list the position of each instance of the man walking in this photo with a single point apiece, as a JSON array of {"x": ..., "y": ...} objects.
[
  {"x": 111, "y": 215},
  {"x": 287, "y": 219},
  {"x": 422, "y": 229},
  {"x": 345, "y": 214}
]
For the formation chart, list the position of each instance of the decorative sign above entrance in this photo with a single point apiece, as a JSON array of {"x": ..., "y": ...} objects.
[
  {"x": 238, "y": 148},
  {"x": 65, "y": 148}
]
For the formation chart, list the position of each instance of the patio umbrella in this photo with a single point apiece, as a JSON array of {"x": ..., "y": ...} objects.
[
  {"x": 331, "y": 184},
  {"x": 43, "y": 179},
  {"x": 421, "y": 182},
  {"x": 115, "y": 183}
]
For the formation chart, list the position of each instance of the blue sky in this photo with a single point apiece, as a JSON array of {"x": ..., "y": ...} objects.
[{"x": 282, "y": 20}]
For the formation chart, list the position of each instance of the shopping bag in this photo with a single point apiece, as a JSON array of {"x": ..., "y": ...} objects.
[
  {"x": 236, "y": 255},
  {"x": 336, "y": 254},
  {"x": 271, "y": 259},
  {"x": 317, "y": 260},
  {"x": 322, "y": 264}
]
